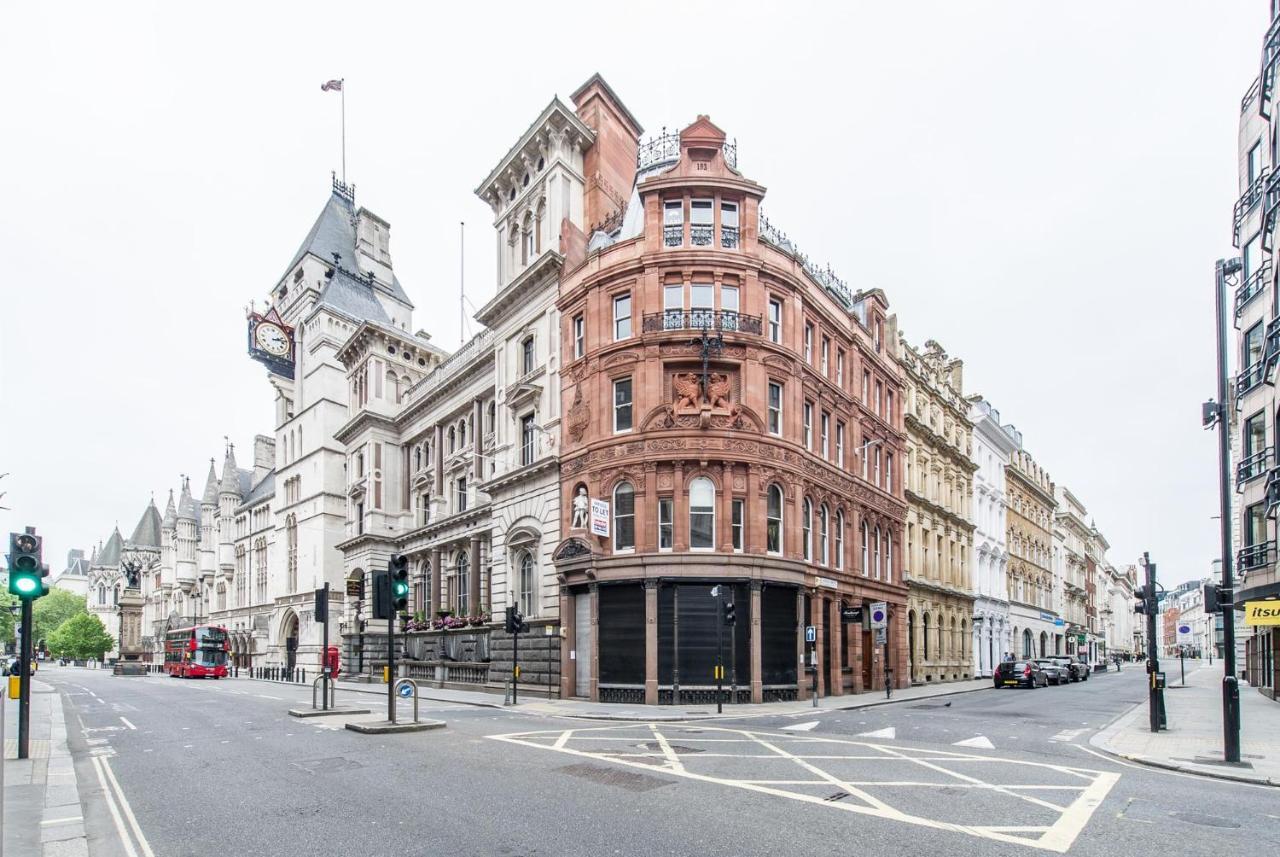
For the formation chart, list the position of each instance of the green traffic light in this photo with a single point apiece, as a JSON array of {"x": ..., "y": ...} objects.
[
  {"x": 25, "y": 585},
  {"x": 401, "y": 588}
]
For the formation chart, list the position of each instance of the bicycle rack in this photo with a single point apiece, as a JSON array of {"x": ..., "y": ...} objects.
[
  {"x": 396, "y": 692},
  {"x": 315, "y": 685}
]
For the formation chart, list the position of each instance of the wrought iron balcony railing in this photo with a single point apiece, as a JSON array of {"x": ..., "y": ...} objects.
[
  {"x": 1255, "y": 556},
  {"x": 728, "y": 236},
  {"x": 1271, "y": 349},
  {"x": 701, "y": 319},
  {"x": 1267, "y": 77},
  {"x": 700, "y": 235},
  {"x": 1252, "y": 286},
  {"x": 1249, "y": 96},
  {"x": 1253, "y": 467},
  {"x": 1249, "y": 377},
  {"x": 673, "y": 236},
  {"x": 1272, "y": 491},
  {"x": 665, "y": 149},
  {"x": 1247, "y": 202}
]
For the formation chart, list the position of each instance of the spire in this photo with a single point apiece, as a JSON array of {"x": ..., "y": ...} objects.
[
  {"x": 170, "y": 513},
  {"x": 187, "y": 506},
  {"x": 230, "y": 473},
  {"x": 110, "y": 554},
  {"x": 147, "y": 533},
  {"x": 211, "y": 487}
]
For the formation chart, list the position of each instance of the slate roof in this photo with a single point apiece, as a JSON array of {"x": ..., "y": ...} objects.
[
  {"x": 265, "y": 489},
  {"x": 353, "y": 298},
  {"x": 211, "y": 486},
  {"x": 147, "y": 533},
  {"x": 188, "y": 509},
  {"x": 335, "y": 232},
  {"x": 110, "y": 553},
  {"x": 170, "y": 513}
]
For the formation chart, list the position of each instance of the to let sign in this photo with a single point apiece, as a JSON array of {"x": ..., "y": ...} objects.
[{"x": 600, "y": 518}]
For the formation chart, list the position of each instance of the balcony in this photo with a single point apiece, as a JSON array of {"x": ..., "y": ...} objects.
[
  {"x": 673, "y": 236},
  {"x": 1249, "y": 377},
  {"x": 1267, "y": 77},
  {"x": 1252, "y": 286},
  {"x": 1255, "y": 556},
  {"x": 701, "y": 234},
  {"x": 665, "y": 149},
  {"x": 1247, "y": 202},
  {"x": 1273, "y": 491},
  {"x": 701, "y": 319},
  {"x": 1250, "y": 95},
  {"x": 729, "y": 237},
  {"x": 1252, "y": 467}
]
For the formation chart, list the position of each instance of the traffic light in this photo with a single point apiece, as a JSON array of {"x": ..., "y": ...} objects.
[
  {"x": 1146, "y": 604},
  {"x": 399, "y": 567},
  {"x": 382, "y": 595},
  {"x": 26, "y": 571},
  {"x": 515, "y": 620},
  {"x": 1213, "y": 600},
  {"x": 729, "y": 617}
]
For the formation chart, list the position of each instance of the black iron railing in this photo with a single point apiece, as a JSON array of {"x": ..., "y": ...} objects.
[
  {"x": 1252, "y": 467},
  {"x": 1249, "y": 96},
  {"x": 701, "y": 319},
  {"x": 1255, "y": 556},
  {"x": 665, "y": 149},
  {"x": 1249, "y": 377},
  {"x": 728, "y": 236},
  {"x": 673, "y": 236},
  {"x": 1267, "y": 77},
  {"x": 1247, "y": 202},
  {"x": 1272, "y": 495},
  {"x": 1252, "y": 286},
  {"x": 701, "y": 234}
]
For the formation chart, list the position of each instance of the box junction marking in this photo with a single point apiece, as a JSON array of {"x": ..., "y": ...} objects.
[{"x": 1054, "y": 801}]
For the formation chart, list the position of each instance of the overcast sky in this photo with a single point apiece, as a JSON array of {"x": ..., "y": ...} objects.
[{"x": 1043, "y": 188}]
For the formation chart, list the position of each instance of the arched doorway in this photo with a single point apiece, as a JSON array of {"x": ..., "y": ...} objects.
[
  {"x": 911, "y": 646},
  {"x": 1044, "y": 643},
  {"x": 289, "y": 632},
  {"x": 1027, "y": 645}
]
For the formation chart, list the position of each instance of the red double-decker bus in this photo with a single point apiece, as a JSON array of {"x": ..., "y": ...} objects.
[{"x": 197, "y": 652}]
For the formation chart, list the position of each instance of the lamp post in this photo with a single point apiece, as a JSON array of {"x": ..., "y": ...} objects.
[{"x": 1216, "y": 413}]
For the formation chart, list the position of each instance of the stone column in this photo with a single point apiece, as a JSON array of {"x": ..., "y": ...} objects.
[
  {"x": 757, "y": 679},
  {"x": 820, "y": 629},
  {"x": 855, "y": 652},
  {"x": 835, "y": 670},
  {"x": 647, "y": 525},
  {"x": 753, "y": 533},
  {"x": 724, "y": 510},
  {"x": 437, "y": 445},
  {"x": 437, "y": 583},
  {"x": 568, "y": 639},
  {"x": 651, "y": 642},
  {"x": 477, "y": 439},
  {"x": 593, "y": 692},
  {"x": 473, "y": 582},
  {"x": 679, "y": 508}
]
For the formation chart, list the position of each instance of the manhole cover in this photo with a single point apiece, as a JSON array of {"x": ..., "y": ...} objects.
[
  {"x": 630, "y": 780},
  {"x": 1203, "y": 820},
  {"x": 328, "y": 765},
  {"x": 655, "y": 747}
]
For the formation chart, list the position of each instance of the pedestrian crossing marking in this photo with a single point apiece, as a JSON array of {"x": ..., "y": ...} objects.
[
  {"x": 888, "y": 732},
  {"x": 801, "y": 727},
  {"x": 982, "y": 742}
]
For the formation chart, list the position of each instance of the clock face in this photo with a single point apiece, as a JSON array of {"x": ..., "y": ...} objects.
[{"x": 271, "y": 339}]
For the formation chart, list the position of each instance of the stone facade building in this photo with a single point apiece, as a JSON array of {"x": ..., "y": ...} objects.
[
  {"x": 1031, "y": 583},
  {"x": 732, "y": 419},
  {"x": 938, "y": 489},
  {"x": 1073, "y": 533},
  {"x": 992, "y": 632}
]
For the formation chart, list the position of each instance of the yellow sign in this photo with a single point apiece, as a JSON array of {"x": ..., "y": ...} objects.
[
  {"x": 15, "y": 684},
  {"x": 1262, "y": 612}
]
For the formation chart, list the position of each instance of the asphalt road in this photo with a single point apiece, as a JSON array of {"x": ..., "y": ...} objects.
[{"x": 218, "y": 768}]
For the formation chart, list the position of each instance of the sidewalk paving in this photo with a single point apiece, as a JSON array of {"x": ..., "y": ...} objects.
[
  {"x": 666, "y": 713},
  {"x": 42, "y": 812},
  {"x": 1193, "y": 741}
]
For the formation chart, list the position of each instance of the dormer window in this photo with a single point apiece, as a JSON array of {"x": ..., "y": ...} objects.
[
  {"x": 701, "y": 214},
  {"x": 673, "y": 223}
]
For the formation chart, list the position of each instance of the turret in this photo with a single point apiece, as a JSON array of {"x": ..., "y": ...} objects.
[
  {"x": 186, "y": 538},
  {"x": 228, "y": 498},
  {"x": 208, "y": 506}
]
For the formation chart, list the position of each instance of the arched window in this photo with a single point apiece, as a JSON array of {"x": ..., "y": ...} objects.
[
  {"x": 1027, "y": 649},
  {"x": 806, "y": 529},
  {"x": 393, "y": 386},
  {"x": 528, "y": 603},
  {"x": 876, "y": 551},
  {"x": 462, "y": 584},
  {"x": 839, "y": 538},
  {"x": 417, "y": 458},
  {"x": 773, "y": 520},
  {"x": 824, "y": 556},
  {"x": 115, "y": 595},
  {"x": 888, "y": 556},
  {"x": 866, "y": 535},
  {"x": 624, "y": 517},
  {"x": 702, "y": 514},
  {"x": 926, "y": 635},
  {"x": 291, "y": 539},
  {"x": 462, "y": 433},
  {"x": 222, "y": 596},
  {"x": 453, "y": 439},
  {"x": 102, "y": 595},
  {"x": 527, "y": 358}
]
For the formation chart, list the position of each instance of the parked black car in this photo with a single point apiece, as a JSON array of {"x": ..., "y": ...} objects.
[{"x": 1020, "y": 674}]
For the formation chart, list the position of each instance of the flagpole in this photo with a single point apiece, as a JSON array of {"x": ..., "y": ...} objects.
[{"x": 343, "y": 90}]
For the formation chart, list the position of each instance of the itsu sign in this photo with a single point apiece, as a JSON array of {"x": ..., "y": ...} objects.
[{"x": 600, "y": 518}]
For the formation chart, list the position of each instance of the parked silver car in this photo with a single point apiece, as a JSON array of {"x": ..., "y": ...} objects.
[{"x": 1055, "y": 672}]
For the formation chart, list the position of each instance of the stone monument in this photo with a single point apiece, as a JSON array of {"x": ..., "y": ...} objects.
[{"x": 130, "y": 610}]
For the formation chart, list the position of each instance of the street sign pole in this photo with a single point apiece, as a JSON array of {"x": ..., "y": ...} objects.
[
  {"x": 24, "y": 682},
  {"x": 1230, "y": 684},
  {"x": 515, "y": 667},
  {"x": 719, "y": 650},
  {"x": 391, "y": 667},
  {"x": 324, "y": 651},
  {"x": 1155, "y": 694}
]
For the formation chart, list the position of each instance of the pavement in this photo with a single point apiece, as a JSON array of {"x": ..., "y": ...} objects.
[
  {"x": 219, "y": 767},
  {"x": 585, "y": 710},
  {"x": 42, "y": 811},
  {"x": 1193, "y": 743}
]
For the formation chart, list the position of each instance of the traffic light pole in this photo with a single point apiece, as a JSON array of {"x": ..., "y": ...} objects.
[
  {"x": 720, "y": 651},
  {"x": 1155, "y": 695},
  {"x": 391, "y": 667},
  {"x": 1230, "y": 685},
  {"x": 24, "y": 682},
  {"x": 324, "y": 651}
]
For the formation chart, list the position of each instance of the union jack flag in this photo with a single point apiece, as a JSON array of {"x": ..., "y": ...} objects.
[{"x": 335, "y": 85}]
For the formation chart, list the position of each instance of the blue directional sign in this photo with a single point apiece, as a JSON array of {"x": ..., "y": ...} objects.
[{"x": 406, "y": 690}]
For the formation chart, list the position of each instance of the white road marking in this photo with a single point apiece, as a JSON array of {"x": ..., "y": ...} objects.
[
  {"x": 979, "y": 741},
  {"x": 121, "y": 831},
  {"x": 66, "y": 820},
  {"x": 888, "y": 732},
  {"x": 1152, "y": 770},
  {"x": 128, "y": 811},
  {"x": 1068, "y": 735},
  {"x": 673, "y": 761},
  {"x": 1089, "y": 786},
  {"x": 563, "y": 739},
  {"x": 264, "y": 696},
  {"x": 187, "y": 746},
  {"x": 126, "y": 722},
  {"x": 801, "y": 727}
]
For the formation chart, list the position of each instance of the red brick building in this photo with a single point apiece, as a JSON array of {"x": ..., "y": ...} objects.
[{"x": 732, "y": 417}]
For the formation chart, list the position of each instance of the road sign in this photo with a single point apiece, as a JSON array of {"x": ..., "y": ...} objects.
[
  {"x": 406, "y": 690},
  {"x": 1184, "y": 632},
  {"x": 1080, "y": 638},
  {"x": 810, "y": 634},
  {"x": 882, "y": 636},
  {"x": 879, "y": 615}
]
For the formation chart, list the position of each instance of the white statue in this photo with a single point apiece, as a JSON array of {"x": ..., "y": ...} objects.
[{"x": 581, "y": 506}]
